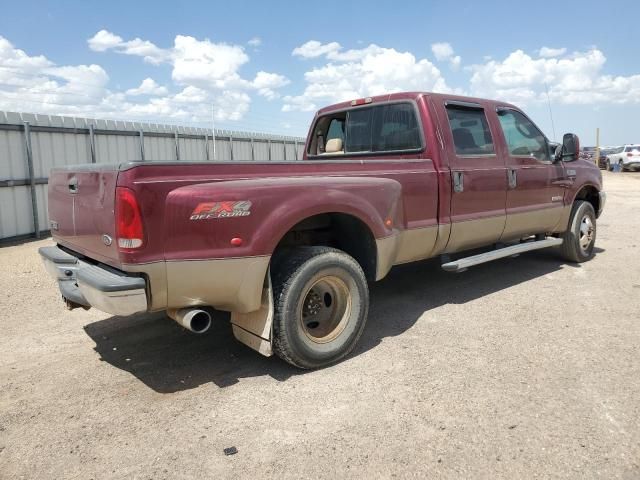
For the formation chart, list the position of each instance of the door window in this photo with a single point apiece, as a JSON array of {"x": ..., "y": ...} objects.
[
  {"x": 470, "y": 130},
  {"x": 522, "y": 136}
]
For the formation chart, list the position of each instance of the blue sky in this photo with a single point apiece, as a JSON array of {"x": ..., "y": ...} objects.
[{"x": 264, "y": 66}]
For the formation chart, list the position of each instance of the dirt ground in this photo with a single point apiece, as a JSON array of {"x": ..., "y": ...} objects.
[{"x": 524, "y": 368}]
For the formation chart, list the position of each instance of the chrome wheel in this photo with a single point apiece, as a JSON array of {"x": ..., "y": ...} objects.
[
  {"x": 326, "y": 309},
  {"x": 587, "y": 232}
]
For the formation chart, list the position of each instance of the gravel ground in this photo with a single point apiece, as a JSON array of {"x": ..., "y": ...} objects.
[{"x": 524, "y": 368}]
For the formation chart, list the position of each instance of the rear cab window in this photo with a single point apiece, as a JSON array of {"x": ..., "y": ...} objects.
[
  {"x": 470, "y": 130},
  {"x": 375, "y": 129}
]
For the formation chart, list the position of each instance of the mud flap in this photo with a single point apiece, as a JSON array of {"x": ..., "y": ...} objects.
[{"x": 254, "y": 329}]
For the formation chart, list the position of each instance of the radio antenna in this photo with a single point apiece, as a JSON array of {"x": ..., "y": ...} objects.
[{"x": 553, "y": 127}]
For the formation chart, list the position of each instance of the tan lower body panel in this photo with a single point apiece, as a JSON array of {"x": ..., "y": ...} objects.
[
  {"x": 475, "y": 233},
  {"x": 563, "y": 222},
  {"x": 405, "y": 246},
  {"x": 535, "y": 221},
  {"x": 231, "y": 284}
]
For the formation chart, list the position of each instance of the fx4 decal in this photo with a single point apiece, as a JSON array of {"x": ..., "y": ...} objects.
[{"x": 227, "y": 209}]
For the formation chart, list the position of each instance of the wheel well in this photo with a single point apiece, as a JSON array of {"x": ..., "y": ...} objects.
[
  {"x": 590, "y": 194},
  {"x": 338, "y": 230}
]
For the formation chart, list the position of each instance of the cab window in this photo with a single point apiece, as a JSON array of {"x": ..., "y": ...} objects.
[
  {"x": 470, "y": 130},
  {"x": 359, "y": 130},
  {"x": 375, "y": 129},
  {"x": 397, "y": 130},
  {"x": 523, "y": 138}
]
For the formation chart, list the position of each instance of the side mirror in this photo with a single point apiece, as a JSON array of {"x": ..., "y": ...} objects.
[{"x": 570, "y": 147}]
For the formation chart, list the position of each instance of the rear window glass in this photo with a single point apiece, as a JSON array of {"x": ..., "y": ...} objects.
[
  {"x": 632, "y": 148},
  {"x": 377, "y": 128},
  {"x": 470, "y": 130},
  {"x": 359, "y": 124},
  {"x": 398, "y": 128}
]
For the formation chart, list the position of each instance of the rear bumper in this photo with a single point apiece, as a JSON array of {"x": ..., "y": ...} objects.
[{"x": 101, "y": 287}]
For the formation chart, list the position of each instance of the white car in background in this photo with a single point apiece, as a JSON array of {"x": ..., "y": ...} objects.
[{"x": 627, "y": 157}]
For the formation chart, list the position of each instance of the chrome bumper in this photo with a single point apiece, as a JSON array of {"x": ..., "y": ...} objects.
[
  {"x": 106, "y": 289},
  {"x": 601, "y": 203}
]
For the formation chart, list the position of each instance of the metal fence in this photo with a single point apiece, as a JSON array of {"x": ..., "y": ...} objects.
[{"x": 30, "y": 145}]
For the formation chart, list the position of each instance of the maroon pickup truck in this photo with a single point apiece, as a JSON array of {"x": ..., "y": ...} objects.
[{"x": 288, "y": 247}]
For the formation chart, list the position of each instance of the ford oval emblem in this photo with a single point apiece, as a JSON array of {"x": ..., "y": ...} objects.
[{"x": 107, "y": 240}]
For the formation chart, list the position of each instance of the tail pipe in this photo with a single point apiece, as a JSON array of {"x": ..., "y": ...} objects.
[{"x": 194, "y": 319}]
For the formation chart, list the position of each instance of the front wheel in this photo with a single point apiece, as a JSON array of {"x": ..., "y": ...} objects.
[
  {"x": 321, "y": 301},
  {"x": 579, "y": 240}
]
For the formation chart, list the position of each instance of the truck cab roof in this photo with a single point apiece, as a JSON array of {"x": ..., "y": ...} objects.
[{"x": 411, "y": 96}]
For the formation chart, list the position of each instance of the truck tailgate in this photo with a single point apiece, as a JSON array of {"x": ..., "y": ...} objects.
[{"x": 81, "y": 210}]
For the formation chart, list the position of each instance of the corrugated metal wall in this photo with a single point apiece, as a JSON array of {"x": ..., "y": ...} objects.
[{"x": 30, "y": 145}]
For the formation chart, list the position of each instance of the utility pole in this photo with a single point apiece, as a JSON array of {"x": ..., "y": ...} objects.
[
  {"x": 213, "y": 130},
  {"x": 597, "y": 152}
]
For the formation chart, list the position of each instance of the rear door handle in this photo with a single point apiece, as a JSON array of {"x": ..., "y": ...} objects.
[
  {"x": 73, "y": 185},
  {"x": 458, "y": 182},
  {"x": 513, "y": 178}
]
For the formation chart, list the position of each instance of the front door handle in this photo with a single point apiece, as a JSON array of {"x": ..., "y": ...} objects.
[
  {"x": 458, "y": 182},
  {"x": 512, "y": 175}
]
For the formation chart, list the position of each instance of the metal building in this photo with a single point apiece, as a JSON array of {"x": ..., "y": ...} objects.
[{"x": 30, "y": 145}]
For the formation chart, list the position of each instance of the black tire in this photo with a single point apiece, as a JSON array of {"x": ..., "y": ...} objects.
[
  {"x": 311, "y": 284},
  {"x": 578, "y": 243},
  {"x": 608, "y": 166},
  {"x": 621, "y": 165}
]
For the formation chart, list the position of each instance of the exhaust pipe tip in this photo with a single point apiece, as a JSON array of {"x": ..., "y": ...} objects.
[{"x": 193, "y": 319}]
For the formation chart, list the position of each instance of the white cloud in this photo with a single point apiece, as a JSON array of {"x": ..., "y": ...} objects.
[
  {"x": 36, "y": 83},
  {"x": 314, "y": 49},
  {"x": 206, "y": 64},
  {"x": 444, "y": 52},
  {"x": 546, "y": 52},
  {"x": 267, "y": 83},
  {"x": 148, "y": 87},
  {"x": 104, "y": 40},
  {"x": 255, "y": 42},
  {"x": 356, "y": 73},
  {"x": 570, "y": 79},
  {"x": 203, "y": 73},
  {"x": 200, "y": 63},
  {"x": 205, "y": 70}
]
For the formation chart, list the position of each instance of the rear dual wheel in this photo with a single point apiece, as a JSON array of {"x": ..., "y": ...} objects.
[{"x": 321, "y": 301}]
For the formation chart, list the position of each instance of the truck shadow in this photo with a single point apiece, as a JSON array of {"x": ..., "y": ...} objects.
[{"x": 167, "y": 358}]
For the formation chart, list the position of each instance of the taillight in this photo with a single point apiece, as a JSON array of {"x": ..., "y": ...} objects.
[
  {"x": 629, "y": 154},
  {"x": 129, "y": 228}
]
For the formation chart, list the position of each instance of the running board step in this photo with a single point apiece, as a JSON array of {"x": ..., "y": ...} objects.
[{"x": 462, "y": 264}]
